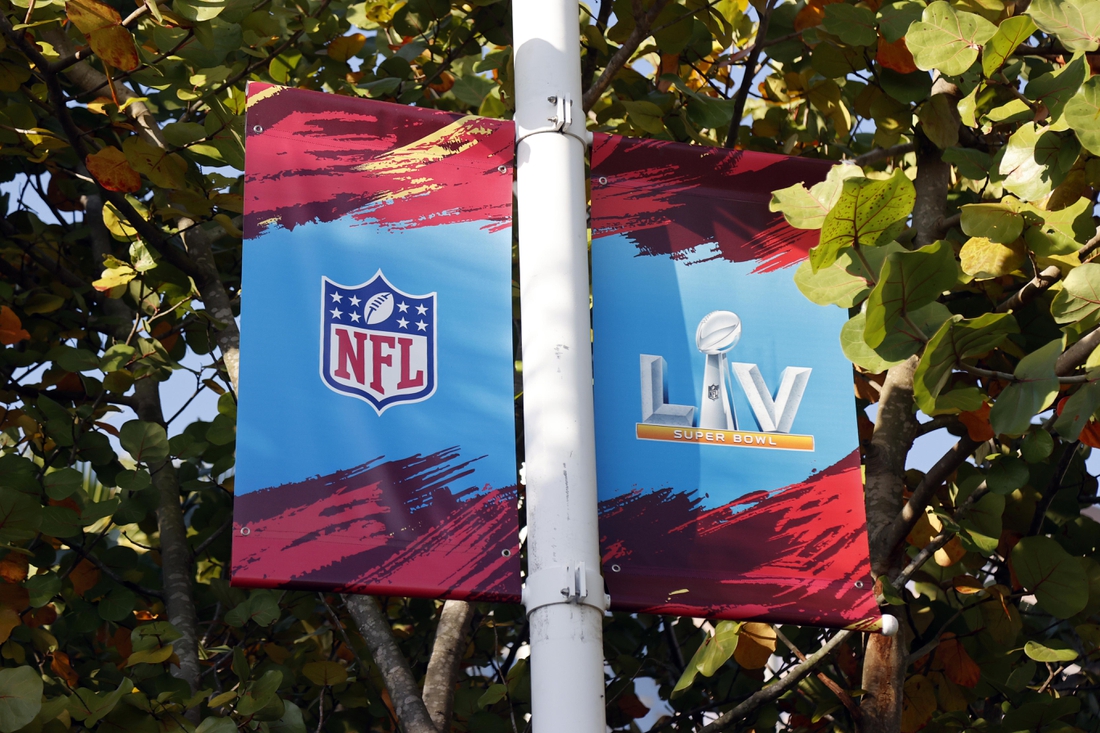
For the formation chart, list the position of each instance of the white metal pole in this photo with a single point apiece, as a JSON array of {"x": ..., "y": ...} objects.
[{"x": 564, "y": 589}]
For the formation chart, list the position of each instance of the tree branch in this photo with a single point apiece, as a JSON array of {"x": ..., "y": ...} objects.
[
  {"x": 1042, "y": 281},
  {"x": 447, "y": 652},
  {"x": 750, "y": 74},
  {"x": 776, "y": 689},
  {"x": 642, "y": 24},
  {"x": 880, "y": 154},
  {"x": 400, "y": 683}
]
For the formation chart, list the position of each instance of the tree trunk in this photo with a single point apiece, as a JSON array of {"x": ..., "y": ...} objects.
[
  {"x": 175, "y": 553},
  {"x": 884, "y": 661},
  {"x": 450, "y": 644}
]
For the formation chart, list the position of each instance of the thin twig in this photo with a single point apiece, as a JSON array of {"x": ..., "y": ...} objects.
[{"x": 750, "y": 74}]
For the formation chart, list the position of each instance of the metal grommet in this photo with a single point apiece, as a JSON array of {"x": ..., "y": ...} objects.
[
  {"x": 603, "y": 181},
  {"x": 859, "y": 583},
  {"x": 615, "y": 568},
  {"x": 257, "y": 128},
  {"x": 502, "y": 169},
  {"x": 245, "y": 531},
  {"x": 506, "y": 553}
]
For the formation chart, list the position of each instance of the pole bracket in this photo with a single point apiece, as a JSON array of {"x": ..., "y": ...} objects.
[
  {"x": 572, "y": 583},
  {"x": 560, "y": 121}
]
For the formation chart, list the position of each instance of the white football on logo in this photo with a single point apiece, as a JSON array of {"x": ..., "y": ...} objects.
[
  {"x": 378, "y": 308},
  {"x": 718, "y": 331}
]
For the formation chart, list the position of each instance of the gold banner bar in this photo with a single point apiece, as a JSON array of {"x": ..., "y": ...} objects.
[{"x": 729, "y": 438}]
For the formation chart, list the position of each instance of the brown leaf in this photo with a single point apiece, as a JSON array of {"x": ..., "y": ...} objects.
[
  {"x": 957, "y": 664},
  {"x": 631, "y": 706},
  {"x": 343, "y": 48},
  {"x": 115, "y": 46},
  {"x": 977, "y": 423},
  {"x": 13, "y": 568},
  {"x": 812, "y": 15},
  {"x": 84, "y": 577},
  {"x": 9, "y": 619},
  {"x": 102, "y": 26},
  {"x": 755, "y": 643},
  {"x": 14, "y": 597},
  {"x": 11, "y": 328},
  {"x": 895, "y": 56},
  {"x": 110, "y": 167},
  {"x": 63, "y": 668},
  {"x": 91, "y": 15},
  {"x": 41, "y": 616},
  {"x": 1090, "y": 434}
]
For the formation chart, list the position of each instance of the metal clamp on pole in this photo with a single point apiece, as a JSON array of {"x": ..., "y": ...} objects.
[
  {"x": 561, "y": 121},
  {"x": 573, "y": 583}
]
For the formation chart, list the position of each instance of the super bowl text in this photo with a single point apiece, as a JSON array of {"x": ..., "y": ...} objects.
[{"x": 717, "y": 334}]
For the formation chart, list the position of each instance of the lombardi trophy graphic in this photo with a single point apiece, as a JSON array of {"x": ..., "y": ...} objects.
[{"x": 718, "y": 332}]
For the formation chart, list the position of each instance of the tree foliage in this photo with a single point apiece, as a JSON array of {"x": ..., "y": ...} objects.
[{"x": 958, "y": 233}]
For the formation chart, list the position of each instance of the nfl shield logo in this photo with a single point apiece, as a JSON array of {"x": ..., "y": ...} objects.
[{"x": 377, "y": 342}]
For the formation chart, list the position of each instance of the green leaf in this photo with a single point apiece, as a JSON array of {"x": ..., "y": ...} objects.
[
  {"x": 1036, "y": 390},
  {"x": 1038, "y": 445},
  {"x": 117, "y": 605},
  {"x": 1052, "y": 651},
  {"x": 957, "y": 339},
  {"x": 946, "y": 40},
  {"x": 492, "y": 696},
  {"x": 902, "y": 342},
  {"x": 714, "y": 652},
  {"x": 1031, "y": 162},
  {"x": 1083, "y": 113},
  {"x": 222, "y": 431},
  {"x": 1055, "y": 88},
  {"x": 290, "y": 722},
  {"x": 90, "y": 707},
  {"x": 806, "y": 209},
  {"x": 939, "y": 121},
  {"x": 63, "y": 483},
  {"x": 1075, "y": 22},
  {"x": 325, "y": 673},
  {"x": 908, "y": 281},
  {"x": 894, "y": 19},
  {"x": 199, "y": 10},
  {"x": 1057, "y": 579},
  {"x": 1079, "y": 296},
  {"x": 20, "y": 516},
  {"x": 996, "y": 222},
  {"x": 261, "y": 607},
  {"x": 262, "y": 693},
  {"x": 1077, "y": 411},
  {"x": 1006, "y": 475},
  {"x": 1010, "y": 34},
  {"x": 866, "y": 213},
  {"x": 42, "y": 588},
  {"x": 145, "y": 441},
  {"x": 645, "y": 116},
  {"x": 215, "y": 724},
  {"x": 20, "y": 697},
  {"x": 853, "y": 25},
  {"x": 846, "y": 282}
]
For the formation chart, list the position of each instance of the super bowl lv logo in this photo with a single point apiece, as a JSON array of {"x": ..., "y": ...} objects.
[
  {"x": 378, "y": 342},
  {"x": 717, "y": 334}
]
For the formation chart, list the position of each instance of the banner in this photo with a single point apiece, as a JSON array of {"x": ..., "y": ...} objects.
[
  {"x": 727, "y": 451},
  {"x": 376, "y": 434}
]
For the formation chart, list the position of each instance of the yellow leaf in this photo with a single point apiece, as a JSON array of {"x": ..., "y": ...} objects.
[
  {"x": 102, "y": 26},
  {"x": 151, "y": 656},
  {"x": 112, "y": 278},
  {"x": 755, "y": 643},
  {"x": 325, "y": 673},
  {"x": 218, "y": 700},
  {"x": 344, "y": 47},
  {"x": 984, "y": 259},
  {"x": 164, "y": 169},
  {"x": 111, "y": 168},
  {"x": 91, "y": 15},
  {"x": 228, "y": 225},
  {"x": 918, "y": 705},
  {"x": 116, "y": 224}
]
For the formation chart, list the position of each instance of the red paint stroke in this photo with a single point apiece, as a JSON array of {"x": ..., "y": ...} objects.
[
  {"x": 391, "y": 528},
  {"x": 313, "y": 157},
  {"x": 674, "y": 199},
  {"x": 793, "y": 555}
]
